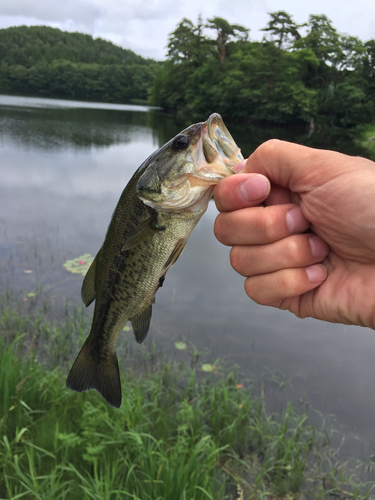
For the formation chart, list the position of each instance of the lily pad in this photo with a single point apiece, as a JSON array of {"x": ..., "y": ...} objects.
[
  {"x": 126, "y": 328},
  {"x": 80, "y": 265},
  {"x": 180, "y": 346},
  {"x": 208, "y": 368}
]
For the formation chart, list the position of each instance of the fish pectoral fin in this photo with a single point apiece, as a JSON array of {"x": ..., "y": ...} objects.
[
  {"x": 141, "y": 233},
  {"x": 101, "y": 374},
  {"x": 177, "y": 251},
  {"x": 88, "y": 292},
  {"x": 141, "y": 323}
]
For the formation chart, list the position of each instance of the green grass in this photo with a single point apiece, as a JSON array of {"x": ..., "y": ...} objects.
[{"x": 180, "y": 434}]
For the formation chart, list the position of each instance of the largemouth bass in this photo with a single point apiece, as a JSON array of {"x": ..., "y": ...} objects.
[{"x": 150, "y": 227}]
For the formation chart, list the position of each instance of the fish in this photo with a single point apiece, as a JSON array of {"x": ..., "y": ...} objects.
[{"x": 151, "y": 224}]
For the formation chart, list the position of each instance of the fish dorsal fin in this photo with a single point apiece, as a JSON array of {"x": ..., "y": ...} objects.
[
  {"x": 141, "y": 323},
  {"x": 141, "y": 233},
  {"x": 88, "y": 292}
]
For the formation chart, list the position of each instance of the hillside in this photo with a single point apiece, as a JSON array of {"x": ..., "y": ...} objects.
[
  {"x": 44, "y": 61},
  {"x": 28, "y": 45}
]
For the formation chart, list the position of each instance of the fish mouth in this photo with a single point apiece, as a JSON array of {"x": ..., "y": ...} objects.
[
  {"x": 223, "y": 141},
  {"x": 216, "y": 153}
]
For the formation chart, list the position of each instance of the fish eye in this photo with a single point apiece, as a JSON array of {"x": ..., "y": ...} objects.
[{"x": 181, "y": 142}]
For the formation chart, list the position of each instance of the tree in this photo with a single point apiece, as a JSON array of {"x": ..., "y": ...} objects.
[
  {"x": 352, "y": 53},
  {"x": 187, "y": 43},
  {"x": 225, "y": 32},
  {"x": 323, "y": 39},
  {"x": 369, "y": 61},
  {"x": 283, "y": 28}
]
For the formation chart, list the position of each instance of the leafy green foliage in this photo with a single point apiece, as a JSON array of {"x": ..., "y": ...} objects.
[
  {"x": 321, "y": 77},
  {"x": 40, "y": 60},
  {"x": 225, "y": 31},
  {"x": 180, "y": 433},
  {"x": 29, "y": 45},
  {"x": 187, "y": 43},
  {"x": 283, "y": 28},
  {"x": 299, "y": 74}
]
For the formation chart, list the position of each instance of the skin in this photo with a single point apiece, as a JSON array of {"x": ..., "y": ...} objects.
[{"x": 301, "y": 224}]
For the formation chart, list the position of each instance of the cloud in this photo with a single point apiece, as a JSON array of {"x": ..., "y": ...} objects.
[
  {"x": 83, "y": 12},
  {"x": 143, "y": 25}
]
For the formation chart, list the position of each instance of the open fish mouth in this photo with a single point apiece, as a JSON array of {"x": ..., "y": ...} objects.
[
  {"x": 223, "y": 141},
  {"x": 216, "y": 153}
]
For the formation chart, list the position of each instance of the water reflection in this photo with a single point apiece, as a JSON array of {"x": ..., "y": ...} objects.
[
  {"x": 57, "y": 128},
  {"x": 62, "y": 169}
]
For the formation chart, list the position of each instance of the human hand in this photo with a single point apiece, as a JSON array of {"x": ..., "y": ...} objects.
[{"x": 327, "y": 273}]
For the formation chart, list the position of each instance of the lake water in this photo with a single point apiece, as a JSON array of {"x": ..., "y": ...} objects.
[{"x": 63, "y": 166}]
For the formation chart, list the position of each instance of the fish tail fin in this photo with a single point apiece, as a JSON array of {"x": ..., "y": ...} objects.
[{"x": 89, "y": 372}]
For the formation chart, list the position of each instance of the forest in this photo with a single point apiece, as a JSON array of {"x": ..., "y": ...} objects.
[
  {"x": 47, "y": 62},
  {"x": 299, "y": 73}
]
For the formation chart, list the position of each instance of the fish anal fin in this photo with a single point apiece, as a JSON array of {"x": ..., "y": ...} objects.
[
  {"x": 175, "y": 254},
  {"x": 143, "y": 232},
  {"x": 103, "y": 375},
  {"x": 141, "y": 323},
  {"x": 88, "y": 291}
]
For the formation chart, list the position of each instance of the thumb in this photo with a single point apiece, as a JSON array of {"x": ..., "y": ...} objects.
[{"x": 298, "y": 168}]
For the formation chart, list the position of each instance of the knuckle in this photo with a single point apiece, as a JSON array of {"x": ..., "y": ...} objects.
[
  {"x": 291, "y": 282},
  {"x": 266, "y": 147},
  {"x": 250, "y": 289},
  {"x": 255, "y": 292},
  {"x": 294, "y": 251},
  {"x": 220, "y": 230},
  {"x": 236, "y": 258},
  {"x": 219, "y": 193},
  {"x": 269, "y": 229}
]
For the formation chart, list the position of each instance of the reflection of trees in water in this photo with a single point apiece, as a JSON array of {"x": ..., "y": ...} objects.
[
  {"x": 250, "y": 137},
  {"x": 53, "y": 128}
]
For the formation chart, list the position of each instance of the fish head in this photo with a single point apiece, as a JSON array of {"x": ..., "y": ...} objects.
[{"x": 181, "y": 174}]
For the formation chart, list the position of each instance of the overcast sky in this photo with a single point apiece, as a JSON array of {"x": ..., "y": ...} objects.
[{"x": 143, "y": 25}]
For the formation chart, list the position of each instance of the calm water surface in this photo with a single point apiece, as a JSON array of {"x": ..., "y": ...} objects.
[{"x": 63, "y": 166}]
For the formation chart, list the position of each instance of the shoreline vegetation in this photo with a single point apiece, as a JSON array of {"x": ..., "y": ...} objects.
[
  {"x": 183, "y": 430},
  {"x": 298, "y": 74}
]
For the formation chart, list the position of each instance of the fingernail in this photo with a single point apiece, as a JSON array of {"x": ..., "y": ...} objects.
[
  {"x": 318, "y": 246},
  {"x": 316, "y": 273},
  {"x": 240, "y": 166},
  {"x": 296, "y": 221},
  {"x": 254, "y": 188}
]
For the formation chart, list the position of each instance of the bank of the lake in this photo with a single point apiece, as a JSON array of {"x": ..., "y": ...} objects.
[{"x": 189, "y": 428}]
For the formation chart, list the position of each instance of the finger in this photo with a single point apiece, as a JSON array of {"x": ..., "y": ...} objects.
[
  {"x": 296, "y": 251},
  {"x": 278, "y": 196},
  {"x": 291, "y": 165},
  {"x": 259, "y": 225},
  {"x": 273, "y": 288},
  {"x": 240, "y": 191}
]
